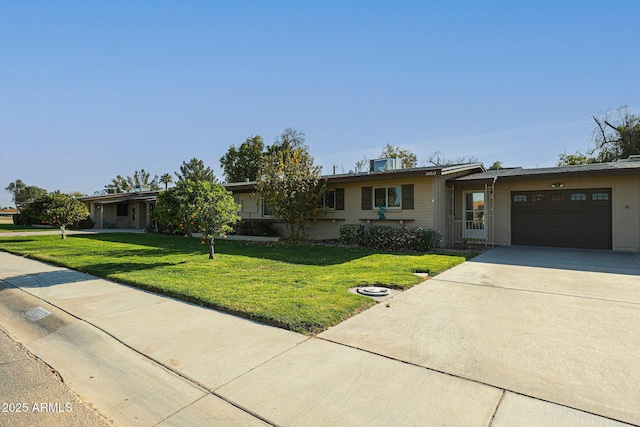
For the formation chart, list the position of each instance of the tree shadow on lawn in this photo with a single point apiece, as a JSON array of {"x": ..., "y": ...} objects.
[
  {"x": 162, "y": 245},
  {"x": 148, "y": 245},
  {"x": 159, "y": 245}
]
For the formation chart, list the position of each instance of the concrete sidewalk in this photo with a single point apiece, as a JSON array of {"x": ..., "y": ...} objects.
[
  {"x": 144, "y": 359},
  {"x": 56, "y": 231}
]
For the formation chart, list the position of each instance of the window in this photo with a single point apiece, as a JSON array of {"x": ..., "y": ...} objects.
[
  {"x": 329, "y": 200},
  {"x": 266, "y": 210},
  {"x": 389, "y": 197},
  {"x": 474, "y": 227},
  {"x": 520, "y": 198},
  {"x": 557, "y": 198},
  {"x": 600, "y": 196},
  {"x": 122, "y": 209},
  {"x": 578, "y": 197},
  {"x": 538, "y": 198},
  {"x": 332, "y": 200}
]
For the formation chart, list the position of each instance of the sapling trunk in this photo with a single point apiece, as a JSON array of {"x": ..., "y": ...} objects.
[
  {"x": 64, "y": 235},
  {"x": 212, "y": 254}
]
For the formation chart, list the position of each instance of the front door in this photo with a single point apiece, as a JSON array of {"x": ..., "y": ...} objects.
[{"x": 473, "y": 223}]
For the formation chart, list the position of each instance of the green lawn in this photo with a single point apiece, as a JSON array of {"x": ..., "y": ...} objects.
[
  {"x": 4, "y": 227},
  {"x": 301, "y": 288}
]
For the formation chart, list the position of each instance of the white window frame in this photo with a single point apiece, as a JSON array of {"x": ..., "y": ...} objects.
[
  {"x": 470, "y": 228},
  {"x": 324, "y": 200},
  {"x": 386, "y": 197}
]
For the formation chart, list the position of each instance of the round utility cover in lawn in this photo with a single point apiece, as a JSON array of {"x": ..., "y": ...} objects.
[{"x": 373, "y": 291}]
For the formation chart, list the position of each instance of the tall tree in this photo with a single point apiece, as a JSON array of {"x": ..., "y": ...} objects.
[
  {"x": 289, "y": 140},
  {"x": 201, "y": 206},
  {"x": 289, "y": 184},
  {"x": 166, "y": 179},
  {"x": 243, "y": 163},
  {"x": 24, "y": 194},
  {"x": 60, "y": 209},
  {"x": 497, "y": 165},
  {"x": 616, "y": 135},
  {"x": 195, "y": 170},
  {"x": 119, "y": 184},
  {"x": 409, "y": 160},
  {"x": 437, "y": 159},
  {"x": 578, "y": 158},
  {"x": 143, "y": 177}
]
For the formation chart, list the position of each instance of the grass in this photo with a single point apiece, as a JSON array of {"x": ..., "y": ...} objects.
[
  {"x": 303, "y": 288},
  {"x": 7, "y": 226},
  {"x": 4, "y": 227}
]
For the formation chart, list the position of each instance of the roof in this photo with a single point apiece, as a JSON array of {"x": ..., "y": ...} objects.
[
  {"x": 122, "y": 197},
  {"x": 613, "y": 168},
  {"x": 367, "y": 176},
  {"x": 240, "y": 187}
]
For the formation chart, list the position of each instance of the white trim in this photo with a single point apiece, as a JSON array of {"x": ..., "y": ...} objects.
[{"x": 469, "y": 230}]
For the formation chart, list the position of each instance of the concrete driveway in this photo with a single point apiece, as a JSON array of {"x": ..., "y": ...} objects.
[{"x": 560, "y": 325}]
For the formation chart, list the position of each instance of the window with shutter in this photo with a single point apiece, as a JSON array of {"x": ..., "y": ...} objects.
[
  {"x": 367, "y": 203},
  {"x": 339, "y": 199},
  {"x": 407, "y": 196}
]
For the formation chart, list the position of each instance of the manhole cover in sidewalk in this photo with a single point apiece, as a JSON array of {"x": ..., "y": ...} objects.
[{"x": 373, "y": 291}]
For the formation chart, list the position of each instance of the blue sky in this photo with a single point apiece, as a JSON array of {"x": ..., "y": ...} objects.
[{"x": 90, "y": 90}]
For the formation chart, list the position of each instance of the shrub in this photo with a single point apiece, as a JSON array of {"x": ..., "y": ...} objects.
[
  {"x": 352, "y": 234},
  {"x": 385, "y": 237},
  {"x": 24, "y": 219},
  {"x": 425, "y": 239},
  {"x": 255, "y": 228},
  {"x": 84, "y": 224}
]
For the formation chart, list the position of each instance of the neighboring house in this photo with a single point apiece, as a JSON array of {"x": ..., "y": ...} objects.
[
  {"x": 585, "y": 206},
  {"x": 121, "y": 210},
  {"x": 9, "y": 212}
]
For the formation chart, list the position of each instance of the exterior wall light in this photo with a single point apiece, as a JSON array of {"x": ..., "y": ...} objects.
[{"x": 557, "y": 185}]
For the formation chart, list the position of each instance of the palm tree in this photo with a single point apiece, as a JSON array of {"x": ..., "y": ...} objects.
[{"x": 166, "y": 179}]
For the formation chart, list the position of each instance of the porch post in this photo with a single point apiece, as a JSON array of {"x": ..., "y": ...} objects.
[{"x": 100, "y": 208}]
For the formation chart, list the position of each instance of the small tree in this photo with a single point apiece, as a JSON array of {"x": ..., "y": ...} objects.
[
  {"x": 243, "y": 163},
  {"x": 497, "y": 165},
  {"x": 60, "y": 209},
  {"x": 200, "y": 206},
  {"x": 290, "y": 186}
]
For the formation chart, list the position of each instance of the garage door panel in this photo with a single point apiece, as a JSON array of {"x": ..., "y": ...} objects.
[{"x": 562, "y": 218}]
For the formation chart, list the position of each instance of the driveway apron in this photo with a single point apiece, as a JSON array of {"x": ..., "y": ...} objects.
[{"x": 559, "y": 325}]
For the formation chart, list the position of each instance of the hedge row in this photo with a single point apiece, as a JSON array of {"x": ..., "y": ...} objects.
[
  {"x": 247, "y": 227},
  {"x": 26, "y": 220},
  {"x": 390, "y": 238}
]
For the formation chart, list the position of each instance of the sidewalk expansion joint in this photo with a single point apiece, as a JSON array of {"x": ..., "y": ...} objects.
[
  {"x": 260, "y": 364},
  {"x": 495, "y": 411},
  {"x": 469, "y": 379},
  {"x": 537, "y": 292},
  {"x": 191, "y": 381}
]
